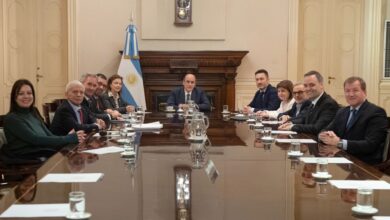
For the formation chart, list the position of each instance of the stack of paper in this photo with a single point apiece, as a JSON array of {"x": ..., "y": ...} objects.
[
  {"x": 105, "y": 150},
  {"x": 148, "y": 126}
]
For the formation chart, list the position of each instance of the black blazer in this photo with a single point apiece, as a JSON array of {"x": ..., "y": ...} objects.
[
  {"x": 109, "y": 103},
  {"x": 65, "y": 120},
  {"x": 319, "y": 117},
  {"x": 300, "y": 118},
  {"x": 177, "y": 97},
  {"x": 270, "y": 101},
  {"x": 367, "y": 133},
  {"x": 91, "y": 106}
]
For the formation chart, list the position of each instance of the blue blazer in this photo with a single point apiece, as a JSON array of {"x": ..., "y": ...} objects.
[
  {"x": 366, "y": 136},
  {"x": 269, "y": 101},
  {"x": 177, "y": 97}
]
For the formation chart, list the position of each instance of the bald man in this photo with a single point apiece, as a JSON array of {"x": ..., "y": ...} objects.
[{"x": 189, "y": 91}]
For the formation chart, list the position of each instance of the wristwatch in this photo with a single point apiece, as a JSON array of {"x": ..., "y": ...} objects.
[{"x": 340, "y": 144}]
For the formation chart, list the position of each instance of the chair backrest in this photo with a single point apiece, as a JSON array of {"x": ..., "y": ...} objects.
[
  {"x": 386, "y": 152},
  {"x": 3, "y": 140}
]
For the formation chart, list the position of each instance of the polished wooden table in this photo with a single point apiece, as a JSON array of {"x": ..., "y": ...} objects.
[{"x": 253, "y": 183}]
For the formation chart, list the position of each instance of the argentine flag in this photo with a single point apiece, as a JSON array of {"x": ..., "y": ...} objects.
[{"x": 130, "y": 69}]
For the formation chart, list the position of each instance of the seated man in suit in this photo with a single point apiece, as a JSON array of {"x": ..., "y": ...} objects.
[
  {"x": 322, "y": 110},
  {"x": 188, "y": 91},
  {"x": 72, "y": 115},
  {"x": 360, "y": 128},
  {"x": 266, "y": 98},
  {"x": 297, "y": 112},
  {"x": 92, "y": 102}
]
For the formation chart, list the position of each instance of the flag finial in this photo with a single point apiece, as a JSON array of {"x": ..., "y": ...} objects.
[{"x": 132, "y": 18}]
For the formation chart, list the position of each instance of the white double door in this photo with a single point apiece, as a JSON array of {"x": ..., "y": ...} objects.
[{"x": 34, "y": 46}]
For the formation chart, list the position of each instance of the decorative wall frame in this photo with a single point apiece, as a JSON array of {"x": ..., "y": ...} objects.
[{"x": 183, "y": 12}]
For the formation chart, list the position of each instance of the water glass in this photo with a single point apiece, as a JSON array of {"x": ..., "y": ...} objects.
[
  {"x": 295, "y": 147},
  {"x": 322, "y": 166},
  {"x": 364, "y": 198},
  {"x": 267, "y": 132},
  {"x": 139, "y": 108},
  {"x": 77, "y": 204},
  {"x": 225, "y": 109},
  {"x": 259, "y": 119}
]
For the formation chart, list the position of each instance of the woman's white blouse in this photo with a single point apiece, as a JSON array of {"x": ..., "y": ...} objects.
[{"x": 284, "y": 106}]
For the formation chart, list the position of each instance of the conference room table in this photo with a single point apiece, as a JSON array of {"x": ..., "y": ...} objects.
[{"x": 249, "y": 180}]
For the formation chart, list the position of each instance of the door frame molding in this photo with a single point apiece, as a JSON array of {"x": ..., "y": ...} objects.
[{"x": 73, "y": 55}]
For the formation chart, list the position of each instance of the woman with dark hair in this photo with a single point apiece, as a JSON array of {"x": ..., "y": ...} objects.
[
  {"x": 27, "y": 135},
  {"x": 285, "y": 94},
  {"x": 112, "y": 98}
]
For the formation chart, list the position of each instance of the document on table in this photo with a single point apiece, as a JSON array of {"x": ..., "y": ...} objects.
[
  {"x": 283, "y": 132},
  {"x": 356, "y": 184},
  {"x": 271, "y": 122},
  {"x": 340, "y": 160},
  {"x": 36, "y": 210},
  {"x": 105, "y": 150},
  {"x": 147, "y": 126},
  {"x": 381, "y": 217},
  {"x": 302, "y": 141},
  {"x": 71, "y": 178}
]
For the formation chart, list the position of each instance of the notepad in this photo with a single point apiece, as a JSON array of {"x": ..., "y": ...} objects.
[
  {"x": 356, "y": 184},
  {"x": 36, "y": 210},
  {"x": 381, "y": 217},
  {"x": 303, "y": 141},
  {"x": 283, "y": 132},
  {"x": 339, "y": 160},
  {"x": 271, "y": 122},
  {"x": 105, "y": 150},
  {"x": 71, "y": 177}
]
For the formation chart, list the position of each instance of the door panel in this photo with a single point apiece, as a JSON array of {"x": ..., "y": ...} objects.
[
  {"x": 34, "y": 37},
  {"x": 329, "y": 41}
]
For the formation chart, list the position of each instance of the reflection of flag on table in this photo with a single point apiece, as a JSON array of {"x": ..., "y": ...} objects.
[{"x": 130, "y": 70}]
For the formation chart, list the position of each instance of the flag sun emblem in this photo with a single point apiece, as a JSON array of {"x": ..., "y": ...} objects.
[{"x": 132, "y": 78}]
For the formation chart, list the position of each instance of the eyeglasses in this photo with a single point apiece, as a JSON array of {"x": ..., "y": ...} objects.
[{"x": 298, "y": 92}]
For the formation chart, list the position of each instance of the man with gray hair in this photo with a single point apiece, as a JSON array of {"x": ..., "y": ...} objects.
[
  {"x": 71, "y": 115},
  {"x": 322, "y": 110},
  {"x": 91, "y": 102}
]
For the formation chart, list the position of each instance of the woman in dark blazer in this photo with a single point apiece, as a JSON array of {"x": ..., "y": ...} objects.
[{"x": 112, "y": 98}]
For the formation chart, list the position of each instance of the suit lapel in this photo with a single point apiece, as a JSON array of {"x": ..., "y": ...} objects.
[{"x": 358, "y": 114}]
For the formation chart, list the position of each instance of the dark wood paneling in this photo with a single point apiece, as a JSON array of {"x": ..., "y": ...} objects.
[{"x": 215, "y": 72}]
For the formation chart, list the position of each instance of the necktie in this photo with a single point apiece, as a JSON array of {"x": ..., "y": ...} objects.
[
  {"x": 351, "y": 118},
  {"x": 188, "y": 97},
  {"x": 81, "y": 115}
]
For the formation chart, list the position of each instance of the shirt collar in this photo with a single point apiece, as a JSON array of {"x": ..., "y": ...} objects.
[
  {"x": 314, "y": 102},
  {"x": 74, "y": 107}
]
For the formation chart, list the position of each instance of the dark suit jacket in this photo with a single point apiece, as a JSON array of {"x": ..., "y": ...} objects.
[
  {"x": 319, "y": 117},
  {"x": 300, "y": 118},
  {"x": 270, "y": 101},
  {"x": 109, "y": 102},
  {"x": 91, "y": 106},
  {"x": 199, "y": 96},
  {"x": 367, "y": 133},
  {"x": 65, "y": 120}
]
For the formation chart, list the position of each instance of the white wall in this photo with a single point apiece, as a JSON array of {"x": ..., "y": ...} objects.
[{"x": 259, "y": 26}]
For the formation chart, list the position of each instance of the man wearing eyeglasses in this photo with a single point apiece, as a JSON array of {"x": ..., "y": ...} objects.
[
  {"x": 180, "y": 96},
  {"x": 322, "y": 109},
  {"x": 297, "y": 112}
]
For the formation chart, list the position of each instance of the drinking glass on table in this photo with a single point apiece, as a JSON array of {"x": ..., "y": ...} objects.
[{"x": 77, "y": 204}]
